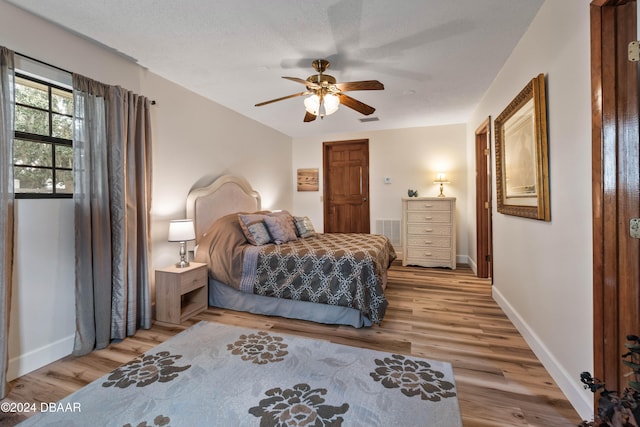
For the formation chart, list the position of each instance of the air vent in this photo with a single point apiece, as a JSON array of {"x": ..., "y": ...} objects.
[
  {"x": 391, "y": 229},
  {"x": 369, "y": 119}
]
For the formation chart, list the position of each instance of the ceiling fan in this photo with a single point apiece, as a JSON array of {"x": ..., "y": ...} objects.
[{"x": 326, "y": 94}]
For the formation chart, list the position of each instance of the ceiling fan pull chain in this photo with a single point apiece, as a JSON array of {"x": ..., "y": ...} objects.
[{"x": 321, "y": 110}]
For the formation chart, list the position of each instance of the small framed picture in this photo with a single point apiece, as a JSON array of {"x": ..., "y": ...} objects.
[{"x": 308, "y": 179}]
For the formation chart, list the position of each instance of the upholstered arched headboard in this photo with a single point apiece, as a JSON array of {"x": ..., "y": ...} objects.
[{"x": 227, "y": 194}]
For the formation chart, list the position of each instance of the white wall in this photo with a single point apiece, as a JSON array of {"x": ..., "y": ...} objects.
[
  {"x": 543, "y": 270},
  {"x": 410, "y": 157},
  {"x": 194, "y": 140},
  {"x": 42, "y": 319}
]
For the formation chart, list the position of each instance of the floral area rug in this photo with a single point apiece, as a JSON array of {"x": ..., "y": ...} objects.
[{"x": 218, "y": 375}]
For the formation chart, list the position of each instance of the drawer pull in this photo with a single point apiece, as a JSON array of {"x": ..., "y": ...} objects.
[
  {"x": 428, "y": 242},
  {"x": 428, "y": 206},
  {"x": 428, "y": 254},
  {"x": 428, "y": 230},
  {"x": 428, "y": 217}
]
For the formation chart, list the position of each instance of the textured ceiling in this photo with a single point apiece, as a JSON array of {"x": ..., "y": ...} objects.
[{"x": 436, "y": 58}]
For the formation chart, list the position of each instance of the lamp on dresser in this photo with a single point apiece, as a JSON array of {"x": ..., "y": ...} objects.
[
  {"x": 441, "y": 179},
  {"x": 181, "y": 230}
]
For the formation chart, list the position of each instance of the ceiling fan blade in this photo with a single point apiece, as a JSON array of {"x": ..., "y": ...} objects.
[
  {"x": 281, "y": 99},
  {"x": 354, "y": 104},
  {"x": 362, "y": 85},
  {"x": 308, "y": 117},
  {"x": 303, "y": 81}
]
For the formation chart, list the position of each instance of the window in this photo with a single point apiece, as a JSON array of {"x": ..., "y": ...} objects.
[{"x": 43, "y": 145}]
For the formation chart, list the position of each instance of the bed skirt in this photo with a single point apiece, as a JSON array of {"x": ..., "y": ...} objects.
[{"x": 224, "y": 296}]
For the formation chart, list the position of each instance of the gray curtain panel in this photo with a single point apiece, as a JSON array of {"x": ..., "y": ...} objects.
[
  {"x": 7, "y": 101},
  {"x": 112, "y": 176},
  {"x": 130, "y": 160}
]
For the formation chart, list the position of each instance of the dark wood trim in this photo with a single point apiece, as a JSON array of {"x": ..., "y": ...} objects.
[
  {"x": 484, "y": 241},
  {"x": 616, "y": 185},
  {"x": 597, "y": 189},
  {"x": 364, "y": 221}
]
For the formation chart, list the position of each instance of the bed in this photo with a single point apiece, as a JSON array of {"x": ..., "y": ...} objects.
[{"x": 326, "y": 278}]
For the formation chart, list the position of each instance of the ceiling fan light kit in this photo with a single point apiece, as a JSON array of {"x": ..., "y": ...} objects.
[
  {"x": 326, "y": 94},
  {"x": 324, "y": 106}
]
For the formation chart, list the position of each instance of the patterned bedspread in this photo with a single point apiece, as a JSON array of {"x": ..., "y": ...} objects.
[{"x": 338, "y": 269}]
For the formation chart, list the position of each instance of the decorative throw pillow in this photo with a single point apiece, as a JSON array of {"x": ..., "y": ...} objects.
[
  {"x": 304, "y": 227},
  {"x": 254, "y": 228},
  {"x": 280, "y": 226}
]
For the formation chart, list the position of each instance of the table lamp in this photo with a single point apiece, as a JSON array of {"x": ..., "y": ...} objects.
[
  {"x": 181, "y": 230},
  {"x": 441, "y": 179}
]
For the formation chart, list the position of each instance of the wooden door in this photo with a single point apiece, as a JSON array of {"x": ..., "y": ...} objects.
[
  {"x": 484, "y": 239},
  {"x": 346, "y": 186},
  {"x": 616, "y": 186}
]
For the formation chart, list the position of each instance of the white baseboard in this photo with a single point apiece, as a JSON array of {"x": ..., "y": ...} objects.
[
  {"x": 467, "y": 259},
  {"x": 35, "y": 359},
  {"x": 570, "y": 386}
]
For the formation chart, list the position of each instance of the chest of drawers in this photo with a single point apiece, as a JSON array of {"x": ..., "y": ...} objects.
[{"x": 429, "y": 231}]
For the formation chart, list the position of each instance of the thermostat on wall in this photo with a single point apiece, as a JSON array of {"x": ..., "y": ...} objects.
[{"x": 387, "y": 180}]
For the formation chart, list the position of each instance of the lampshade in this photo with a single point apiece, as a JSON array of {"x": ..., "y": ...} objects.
[
  {"x": 181, "y": 230},
  {"x": 329, "y": 105},
  {"x": 441, "y": 178}
]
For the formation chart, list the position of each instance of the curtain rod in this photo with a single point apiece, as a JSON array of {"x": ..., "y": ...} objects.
[
  {"x": 153, "y": 102},
  {"x": 43, "y": 63}
]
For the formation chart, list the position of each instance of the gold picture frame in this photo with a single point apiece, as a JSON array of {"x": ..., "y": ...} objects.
[{"x": 522, "y": 159}]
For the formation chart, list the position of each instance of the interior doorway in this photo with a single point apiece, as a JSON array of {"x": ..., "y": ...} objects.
[
  {"x": 346, "y": 186},
  {"x": 616, "y": 186},
  {"x": 484, "y": 236}
]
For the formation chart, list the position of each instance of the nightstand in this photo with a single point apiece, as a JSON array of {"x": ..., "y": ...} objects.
[{"x": 180, "y": 292}]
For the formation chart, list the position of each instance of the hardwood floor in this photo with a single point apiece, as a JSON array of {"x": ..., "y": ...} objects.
[{"x": 433, "y": 313}]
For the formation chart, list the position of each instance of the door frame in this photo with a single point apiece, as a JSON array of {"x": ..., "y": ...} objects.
[
  {"x": 615, "y": 181},
  {"x": 484, "y": 234},
  {"x": 326, "y": 146}
]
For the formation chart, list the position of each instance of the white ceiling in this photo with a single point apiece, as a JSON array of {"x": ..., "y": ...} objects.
[{"x": 435, "y": 57}]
